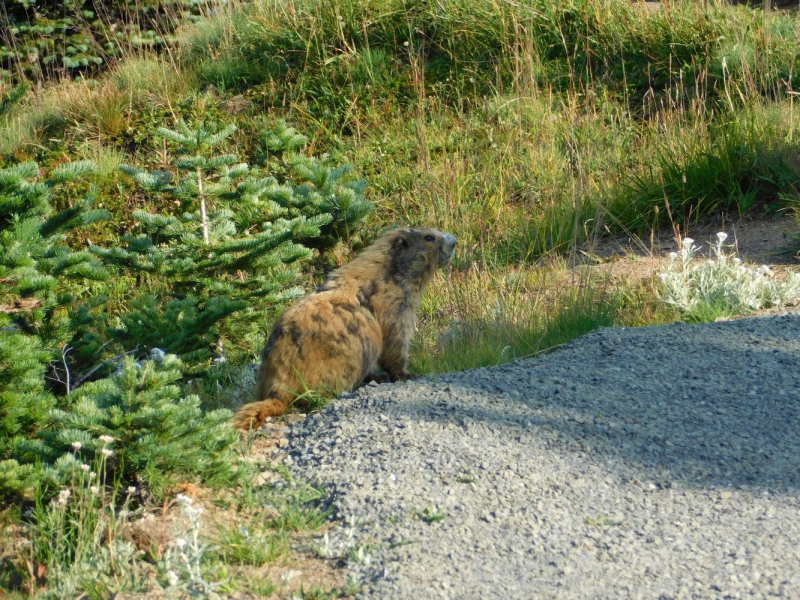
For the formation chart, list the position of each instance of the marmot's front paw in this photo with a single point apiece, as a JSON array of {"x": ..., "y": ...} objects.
[
  {"x": 386, "y": 378},
  {"x": 377, "y": 378},
  {"x": 405, "y": 377}
]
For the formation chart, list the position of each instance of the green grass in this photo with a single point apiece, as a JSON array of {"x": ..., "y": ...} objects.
[
  {"x": 480, "y": 318},
  {"x": 521, "y": 128},
  {"x": 252, "y": 546},
  {"x": 298, "y": 511},
  {"x": 524, "y": 127}
]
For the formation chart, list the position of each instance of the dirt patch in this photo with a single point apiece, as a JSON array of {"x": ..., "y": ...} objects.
[{"x": 758, "y": 241}]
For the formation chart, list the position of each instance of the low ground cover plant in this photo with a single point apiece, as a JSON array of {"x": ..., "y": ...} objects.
[{"x": 722, "y": 286}]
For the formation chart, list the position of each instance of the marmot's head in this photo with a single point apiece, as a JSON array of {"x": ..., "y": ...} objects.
[{"x": 417, "y": 253}]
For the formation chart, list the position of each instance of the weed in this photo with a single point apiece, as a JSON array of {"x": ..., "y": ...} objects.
[
  {"x": 183, "y": 565},
  {"x": 351, "y": 587},
  {"x": 320, "y": 593},
  {"x": 259, "y": 585},
  {"x": 360, "y": 554},
  {"x": 324, "y": 548},
  {"x": 75, "y": 539},
  {"x": 602, "y": 521},
  {"x": 429, "y": 515},
  {"x": 254, "y": 545},
  {"x": 293, "y": 506},
  {"x": 311, "y": 399},
  {"x": 300, "y": 514}
]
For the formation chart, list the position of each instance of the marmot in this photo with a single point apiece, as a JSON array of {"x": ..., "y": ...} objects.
[{"x": 360, "y": 318}]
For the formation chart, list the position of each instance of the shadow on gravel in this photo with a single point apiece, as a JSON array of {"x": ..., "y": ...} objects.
[{"x": 714, "y": 405}]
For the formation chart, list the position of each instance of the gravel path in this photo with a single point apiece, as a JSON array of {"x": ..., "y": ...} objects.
[{"x": 658, "y": 462}]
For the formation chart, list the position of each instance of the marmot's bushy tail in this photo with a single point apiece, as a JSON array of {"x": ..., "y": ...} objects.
[{"x": 254, "y": 414}]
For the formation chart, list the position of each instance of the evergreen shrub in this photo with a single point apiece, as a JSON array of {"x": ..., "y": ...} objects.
[{"x": 80, "y": 363}]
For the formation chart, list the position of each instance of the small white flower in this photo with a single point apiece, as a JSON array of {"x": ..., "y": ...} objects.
[
  {"x": 181, "y": 543},
  {"x": 106, "y": 439},
  {"x": 405, "y": 43},
  {"x": 172, "y": 578},
  {"x": 64, "y": 494},
  {"x": 673, "y": 255},
  {"x": 722, "y": 236},
  {"x": 85, "y": 467},
  {"x": 106, "y": 452},
  {"x": 737, "y": 260},
  {"x": 94, "y": 489},
  {"x": 92, "y": 475},
  {"x": 687, "y": 242},
  {"x": 132, "y": 489},
  {"x": 183, "y": 499},
  {"x": 76, "y": 445}
]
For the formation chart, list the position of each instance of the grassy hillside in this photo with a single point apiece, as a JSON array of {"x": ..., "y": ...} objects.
[
  {"x": 521, "y": 128},
  {"x": 524, "y": 129}
]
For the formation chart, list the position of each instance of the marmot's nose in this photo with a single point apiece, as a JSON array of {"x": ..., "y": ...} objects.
[{"x": 450, "y": 240}]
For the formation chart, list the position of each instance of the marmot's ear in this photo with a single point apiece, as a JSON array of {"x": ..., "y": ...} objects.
[{"x": 401, "y": 241}]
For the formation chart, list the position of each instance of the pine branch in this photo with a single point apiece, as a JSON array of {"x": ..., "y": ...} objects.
[
  {"x": 10, "y": 98},
  {"x": 72, "y": 171}
]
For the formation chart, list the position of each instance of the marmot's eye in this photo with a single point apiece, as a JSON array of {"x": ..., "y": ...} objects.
[{"x": 429, "y": 238}]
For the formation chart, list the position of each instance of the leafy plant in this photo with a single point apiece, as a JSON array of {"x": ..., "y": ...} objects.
[
  {"x": 56, "y": 37},
  {"x": 183, "y": 566},
  {"x": 254, "y": 545},
  {"x": 429, "y": 515}
]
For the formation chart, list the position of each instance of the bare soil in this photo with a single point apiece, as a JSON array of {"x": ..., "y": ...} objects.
[{"x": 758, "y": 241}]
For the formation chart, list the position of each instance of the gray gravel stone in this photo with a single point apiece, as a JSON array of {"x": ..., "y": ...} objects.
[{"x": 658, "y": 462}]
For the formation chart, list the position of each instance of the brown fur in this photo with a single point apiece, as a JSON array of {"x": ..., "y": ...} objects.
[{"x": 361, "y": 318}]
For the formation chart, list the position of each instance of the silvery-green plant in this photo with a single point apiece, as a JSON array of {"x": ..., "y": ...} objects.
[
  {"x": 183, "y": 559},
  {"x": 346, "y": 544},
  {"x": 722, "y": 285}
]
